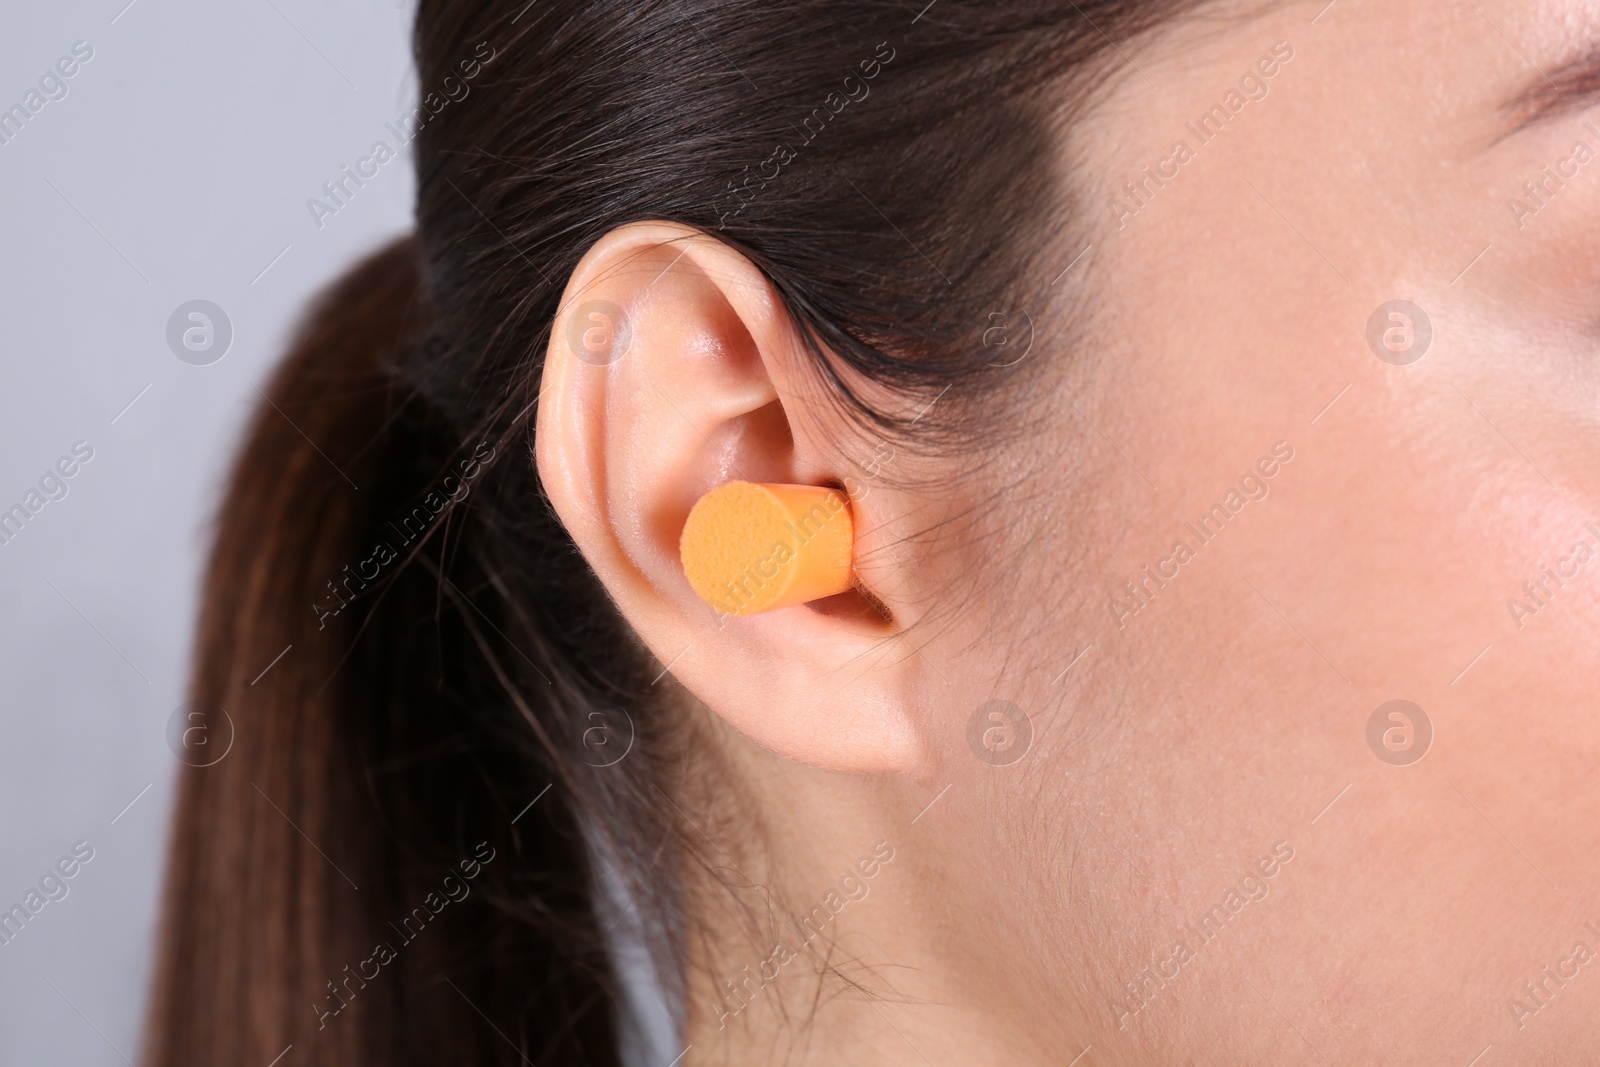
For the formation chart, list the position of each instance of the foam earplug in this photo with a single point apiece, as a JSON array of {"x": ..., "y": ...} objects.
[{"x": 751, "y": 547}]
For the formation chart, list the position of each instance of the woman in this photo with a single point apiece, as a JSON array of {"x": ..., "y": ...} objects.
[{"x": 1214, "y": 387}]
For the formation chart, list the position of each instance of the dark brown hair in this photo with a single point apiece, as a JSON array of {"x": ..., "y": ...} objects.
[{"x": 413, "y": 787}]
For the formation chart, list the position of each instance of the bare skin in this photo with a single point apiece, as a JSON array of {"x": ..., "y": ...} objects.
[{"x": 1200, "y": 851}]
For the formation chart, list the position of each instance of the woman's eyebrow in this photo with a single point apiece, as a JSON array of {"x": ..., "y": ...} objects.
[{"x": 1572, "y": 86}]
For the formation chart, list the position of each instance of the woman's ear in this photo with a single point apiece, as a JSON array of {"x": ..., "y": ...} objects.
[{"x": 674, "y": 367}]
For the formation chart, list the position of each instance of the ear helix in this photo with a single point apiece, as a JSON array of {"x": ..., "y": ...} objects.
[{"x": 750, "y": 547}]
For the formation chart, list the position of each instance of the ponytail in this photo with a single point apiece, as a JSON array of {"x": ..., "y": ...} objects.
[{"x": 366, "y": 875}]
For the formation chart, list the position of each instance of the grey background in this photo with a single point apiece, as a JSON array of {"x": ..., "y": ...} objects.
[{"x": 187, "y": 148}]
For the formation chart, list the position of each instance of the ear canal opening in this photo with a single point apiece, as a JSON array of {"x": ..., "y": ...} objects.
[{"x": 856, "y": 604}]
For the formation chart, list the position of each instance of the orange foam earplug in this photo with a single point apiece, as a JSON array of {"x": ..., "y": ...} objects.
[{"x": 750, "y": 547}]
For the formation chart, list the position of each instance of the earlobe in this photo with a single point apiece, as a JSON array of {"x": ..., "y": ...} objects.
[{"x": 707, "y": 384}]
